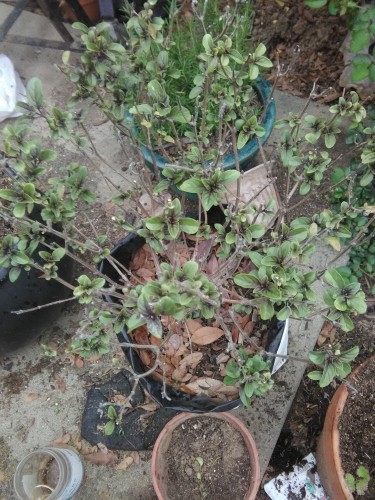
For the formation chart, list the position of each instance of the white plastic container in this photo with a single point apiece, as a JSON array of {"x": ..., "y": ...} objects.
[{"x": 48, "y": 473}]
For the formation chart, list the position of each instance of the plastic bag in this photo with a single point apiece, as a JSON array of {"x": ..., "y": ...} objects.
[{"x": 11, "y": 89}]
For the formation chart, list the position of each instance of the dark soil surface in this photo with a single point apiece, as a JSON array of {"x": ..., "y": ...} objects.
[
  {"x": 209, "y": 461},
  {"x": 306, "y": 43},
  {"x": 357, "y": 427}
]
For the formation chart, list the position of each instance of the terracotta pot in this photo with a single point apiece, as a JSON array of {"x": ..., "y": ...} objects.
[
  {"x": 328, "y": 456},
  {"x": 91, "y": 7},
  {"x": 161, "y": 449}
]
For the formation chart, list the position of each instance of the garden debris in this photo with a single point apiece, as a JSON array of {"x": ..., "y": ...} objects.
[
  {"x": 131, "y": 434},
  {"x": 302, "y": 482},
  {"x": 328, "y": 332}
]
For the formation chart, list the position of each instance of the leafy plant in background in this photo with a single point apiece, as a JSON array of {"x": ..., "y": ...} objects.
[
  {"x": 359, "y": 483},
  {"x": 359, "y": 191},
  {"x": 361, "y": 22}
]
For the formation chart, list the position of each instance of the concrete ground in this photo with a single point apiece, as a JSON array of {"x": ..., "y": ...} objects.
[{"x": 36, "y": 408}]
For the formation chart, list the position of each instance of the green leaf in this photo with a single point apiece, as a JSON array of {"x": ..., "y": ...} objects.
[
  {"x": 154, "y": 223},
  {"x": 242, "y": 139},
  {"x": 190, "y": 268},
  {"x": 189, "y": 225},
  {"x": 317, "y": 358},
  {"x": 316, "y": 4},
  {"x": 328, "y": 375},
  {"x": 134, "y": 322},
  {"x": 180, "y": 114},
  {"x": 266, "y": 310},
  {"x": 350, "y": 481},
  {"x": 165, "y": 306},
  {"x": 109, "y": 428},
  {"x": 334, "y": 278},
  {"x": 208, "y": 43},
  {"x": 155, "y": 90},
  {"x": 192, "y": 185},
  {"x": 232, "y": 369},
  {"x": 229, "y": 176},
  {"x": 34, "y": 92},
  {"x": 14, "y": 273},
  {"x": 360, "y": 39},
  {"x": 315, "y": 375},
  {"x": 81, "y": 27},
  {"x": 19, "y": 210},
  {"x": 58, "y": 254},
  {"x": 8, "y": 194},
  {"x": 244, "y": 280},
  {"x": 111, "y": 412},
  {"x": 350, "y": 354}
]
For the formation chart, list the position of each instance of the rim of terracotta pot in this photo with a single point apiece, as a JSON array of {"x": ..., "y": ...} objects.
[
  {"x": 328, "y": 452},
  {"x": 164, "y": 437}
]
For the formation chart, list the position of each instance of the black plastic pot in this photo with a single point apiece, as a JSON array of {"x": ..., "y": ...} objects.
[
  {"x": 28, "y": 291},
  {"x": 180, "y": 401}
]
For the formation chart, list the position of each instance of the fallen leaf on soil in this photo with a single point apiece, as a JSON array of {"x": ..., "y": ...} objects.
[
  {"x": 193, "y": 325},
  {"x": 125, "y": 463},
  {"x": 205, "y": 385},
  {"x": 212, "y": 265},
  {"x": 60, "y": 383},
  {"x": 192, "y": 359},
  {"x": 206, "y": 335},
  {"x": 180, "y": 374},
  {"x": 63, "y": 439},
  {"x": 78, "y": 362},
  {"x": 175, "y": 341},
  {"x": 328, "y": 331},
  {"x": 149, "y": 406},
  {"x": 138, "y": 260},
  {"x": 136, "y": 457},
  {"x": 31, "y": 396},
  {"x": 144, "y": 273},
  {"x": 100, "y": 458},
  {"x": 121, "y": 400},
  {"x": 94, "y": 358}
]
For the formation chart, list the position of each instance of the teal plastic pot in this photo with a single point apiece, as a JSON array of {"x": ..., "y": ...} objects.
[{"x": 248, "y": 152}]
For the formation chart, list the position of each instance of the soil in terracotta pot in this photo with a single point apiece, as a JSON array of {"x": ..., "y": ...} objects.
[
  {"x": 357, "y": 427},
  {"x": 208, "y": 459}
]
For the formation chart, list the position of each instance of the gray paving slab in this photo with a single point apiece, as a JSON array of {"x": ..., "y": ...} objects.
[{"x": 27, "y": 424}]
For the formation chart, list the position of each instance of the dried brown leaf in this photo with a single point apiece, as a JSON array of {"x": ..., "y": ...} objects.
[
  {"x": 78, "y": 362},
  {"x": 136, "y": 457},
  {"x": 100, "y": 458},
  {"x": 206, "y": 335},
  {"x": 146, "y": 274},
  {"x": 125, "y": 463},
  {"x": 193, "y": 325},
  {"x": 192, "y": 360},
  {"x": 328, "y": 331},
  {"x": 60, "y": 383},
  {"x": 205, "y": 385},
  {"x": 152, "y": 406},
  {"x": 32, "y": 396}
]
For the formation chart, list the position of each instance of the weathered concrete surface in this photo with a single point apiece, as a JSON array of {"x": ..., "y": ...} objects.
[{"x": 25, "y": 423}]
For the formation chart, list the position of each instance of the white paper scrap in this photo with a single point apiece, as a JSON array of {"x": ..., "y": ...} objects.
[{"x": 302, "y": 483}]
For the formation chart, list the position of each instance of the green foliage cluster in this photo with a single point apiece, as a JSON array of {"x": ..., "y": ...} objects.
[
  {"x": 359, "y": 483},
  {"x": 361, "y": 22},
  {"x": 332, "y": 363},
  {"x": 251, "y": 373},
  {"x": 356, "y": 185}
]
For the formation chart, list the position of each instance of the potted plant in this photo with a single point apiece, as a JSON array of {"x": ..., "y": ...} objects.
[
  {"x": 187, "y": 288},
  {"x": 343, "y": 468},
  {"x": 180, "y": 93},
  {"x": 195, "y": 455}
]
